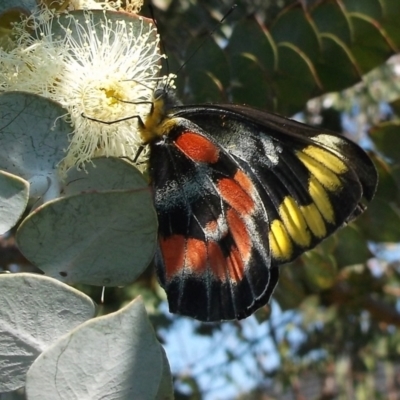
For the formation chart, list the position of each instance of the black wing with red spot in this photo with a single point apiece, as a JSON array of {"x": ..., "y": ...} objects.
[
  {"x": 207, "y": 209},
  {"x": 240, "y": 191}
]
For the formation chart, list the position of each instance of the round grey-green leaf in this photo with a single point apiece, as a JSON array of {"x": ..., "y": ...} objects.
[
  {"x": 34, "y": 312},
  {"x": 14, "y": 194},
  {"x": 104, "y": 174},
  {"x": 166, "y": 388},
  {"x": 33, "y": 139},
  {"x": 100, "y": 238},
  {"x": 116, "y": 356},
  {"x": 21, "y": 4}
]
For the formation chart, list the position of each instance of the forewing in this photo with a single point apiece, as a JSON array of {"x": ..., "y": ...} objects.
[
  {"x": 311, "y": 182},
  {"x": 240, "y": 191}
]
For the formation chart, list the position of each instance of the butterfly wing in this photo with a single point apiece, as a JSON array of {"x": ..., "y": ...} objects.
[{"x": 240, "y": 191}]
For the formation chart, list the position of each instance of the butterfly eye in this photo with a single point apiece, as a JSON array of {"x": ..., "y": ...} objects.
[{"x": 159, "y": 93}]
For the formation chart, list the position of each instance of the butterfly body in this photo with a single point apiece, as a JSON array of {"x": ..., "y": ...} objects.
[{"x": 238, "y": 192}]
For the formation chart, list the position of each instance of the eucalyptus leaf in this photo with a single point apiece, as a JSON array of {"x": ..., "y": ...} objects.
[
  {"x": 15, "y": 395},
  {"x": 14, "y": 193},
  {"x": 104, "y": 173},
  {"x": 34, "y": 312},
  {"x": 166, "y": 389},
  {"x": 6, "y": 5},
  {"x": 33, "y": 140},
  {"x": 97, "y": 238},
  {"x": 116, "y": 356}
]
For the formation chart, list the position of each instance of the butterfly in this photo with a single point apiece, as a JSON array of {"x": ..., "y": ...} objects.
[{"x": 238, "y": 192}]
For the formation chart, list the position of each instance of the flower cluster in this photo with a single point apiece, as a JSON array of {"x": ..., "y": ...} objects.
[
  {"x": 102, "y": 67},
  {"x": 132, "y": 6}
]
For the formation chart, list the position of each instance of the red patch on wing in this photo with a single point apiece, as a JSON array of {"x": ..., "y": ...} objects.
[
  {"x": 197, "y": 147},
  {"x": 235, "y": 196},
  {"x": 217, "y": 261},
  {"x": 179, "y": 252},
  {"x": 173, "y": 251},
  {"x": 211, "y": 228},
  {"x": 196, "y": 255},
  {"x": 240, "y": 234},
  {"x": 235, "y": 265},
  {"x": 244, "y": 181}
]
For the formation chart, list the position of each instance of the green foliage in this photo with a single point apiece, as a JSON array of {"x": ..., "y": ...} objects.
[{"x": 281, "y": 62}]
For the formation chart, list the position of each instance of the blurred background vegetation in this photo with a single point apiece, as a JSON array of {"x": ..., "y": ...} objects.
[{"x": 331, "y": 331}]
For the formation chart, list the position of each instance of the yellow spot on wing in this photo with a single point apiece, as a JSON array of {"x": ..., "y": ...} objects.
[
  {"x": 321, "y": 199},
  {"x": 326, "y": 158},
  {"x": 314, "y": 220},
  {"x": 325, "y": 176},
  {"x": 279, "y": 240},
  {"x": 294, "y": 222}
]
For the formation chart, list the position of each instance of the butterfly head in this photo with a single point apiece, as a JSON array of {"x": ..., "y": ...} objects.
[
  {"x": 166, "y": 93},
  {"x": 157, "y": 123}
]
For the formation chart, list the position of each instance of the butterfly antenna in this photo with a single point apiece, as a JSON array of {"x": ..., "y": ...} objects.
[
  {"x": 206, "y": 38},
  {"x": 151, "y": 9}
]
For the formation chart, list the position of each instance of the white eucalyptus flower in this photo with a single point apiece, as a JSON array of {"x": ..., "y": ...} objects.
[
  {"x": 100, "y": 70},
  {"x": 132, "y": 6}
]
